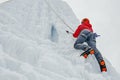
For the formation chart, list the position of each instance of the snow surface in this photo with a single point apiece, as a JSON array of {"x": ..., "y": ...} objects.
[
  {"x": 35, "y": 46},
  {"x": 2, "y": 1}
]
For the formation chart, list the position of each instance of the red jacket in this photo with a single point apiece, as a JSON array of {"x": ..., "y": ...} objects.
[{"x": 84, "y": 25}]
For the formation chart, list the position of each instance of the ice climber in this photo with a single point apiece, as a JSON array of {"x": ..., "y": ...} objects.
[{"x": 84, "y": 34}]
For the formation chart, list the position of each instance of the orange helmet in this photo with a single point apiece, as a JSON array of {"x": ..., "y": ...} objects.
[{"x": 85, "y": 20}]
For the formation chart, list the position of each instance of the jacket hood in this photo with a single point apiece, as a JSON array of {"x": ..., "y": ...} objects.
[{"x": 86, "y": 22}]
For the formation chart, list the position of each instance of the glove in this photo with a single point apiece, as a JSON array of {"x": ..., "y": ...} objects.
[{"x": 96, "y": 35}]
